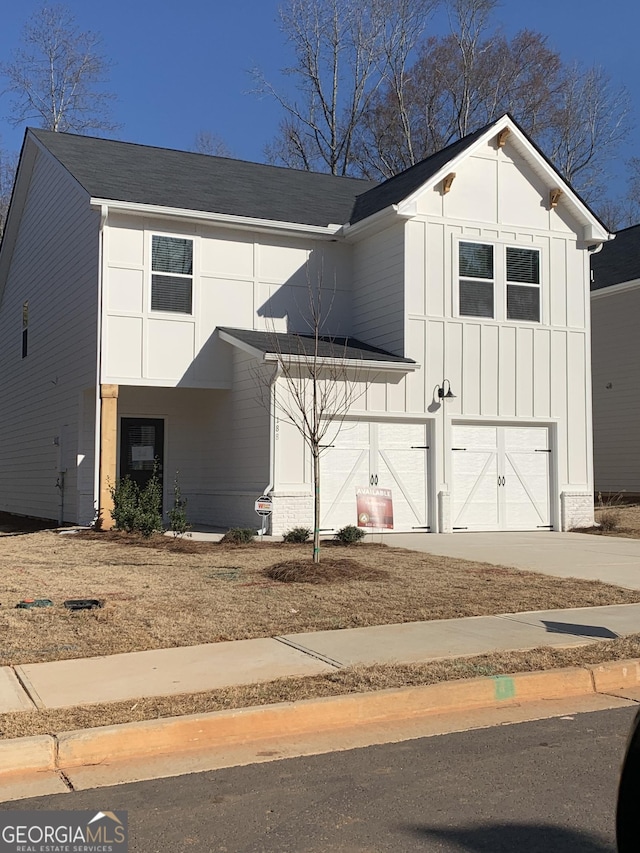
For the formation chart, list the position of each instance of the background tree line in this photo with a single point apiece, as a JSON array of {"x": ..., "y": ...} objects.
[{"x": 371, "y": 91}]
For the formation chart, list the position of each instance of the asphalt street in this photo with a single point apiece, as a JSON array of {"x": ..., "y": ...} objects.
[{"x": 535, "y": 787}]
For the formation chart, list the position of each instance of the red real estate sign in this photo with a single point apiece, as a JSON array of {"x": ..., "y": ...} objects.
[{"x": 375, "y": 507}]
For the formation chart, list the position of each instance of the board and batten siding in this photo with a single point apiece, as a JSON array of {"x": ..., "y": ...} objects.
[
  {"x": 47, "y": 399},
  {"x": 501, "y": 370},
  {"x": 615, "y": 368},
  {"x": 240, "y": 279}
]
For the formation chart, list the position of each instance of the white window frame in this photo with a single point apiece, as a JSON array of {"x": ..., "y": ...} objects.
[
  {"x": 175, "y": 314},
  {"x": 500, "y": 281}
]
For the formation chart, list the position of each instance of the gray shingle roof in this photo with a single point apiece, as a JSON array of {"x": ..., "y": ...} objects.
[
  {"x": 618, "y": 261},
  {"x": 303, "y": 345},
  {"x": 123, "y": 171}
]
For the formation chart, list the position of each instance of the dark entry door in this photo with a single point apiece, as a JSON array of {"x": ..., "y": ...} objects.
[{"x": 141, "y": 443}]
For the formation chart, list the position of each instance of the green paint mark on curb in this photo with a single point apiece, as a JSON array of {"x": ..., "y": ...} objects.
[{"x": 505, "y": 687}]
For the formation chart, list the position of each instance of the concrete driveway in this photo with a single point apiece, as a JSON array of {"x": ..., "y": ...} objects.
[{"x": 607, "y": 558}]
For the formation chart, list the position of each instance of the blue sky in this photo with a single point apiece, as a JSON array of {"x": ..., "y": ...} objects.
[{"x": 182, "y": 67}]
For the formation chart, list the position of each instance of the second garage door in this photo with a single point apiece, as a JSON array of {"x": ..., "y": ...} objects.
[
  {"x": 501, "y": 477},
  {"x": 384, "y": 455}
]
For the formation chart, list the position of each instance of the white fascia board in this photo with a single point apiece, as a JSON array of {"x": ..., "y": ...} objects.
[
  {"x": 613, "y": 289},
  {"x": 236, "y": 342},
  {"x": 376, "y": 220},
  {"x": 346, "y": 363},
  {"x": 594, "y": 231},
  {"x": 223, "y": 219}
]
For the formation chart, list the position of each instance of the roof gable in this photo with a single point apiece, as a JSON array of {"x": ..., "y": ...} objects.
[{"x": 401, "y": 191}]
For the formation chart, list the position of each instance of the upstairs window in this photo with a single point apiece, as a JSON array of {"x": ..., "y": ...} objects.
[
  {"x": 476, "y": 280},
  {"x": 523, "y": 284},
  {"x": 171, "y": 274}
]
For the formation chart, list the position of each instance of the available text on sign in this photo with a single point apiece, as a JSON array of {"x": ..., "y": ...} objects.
[{"x": 374, "y": 507}]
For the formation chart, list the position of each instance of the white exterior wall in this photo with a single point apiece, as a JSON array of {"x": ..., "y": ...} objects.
[
  {"x": 379, "y": 290},
  {"x": 616, "y": 413},
  {"x": 216, "y": 442},
  {"x": 47, "y": 399},
  {"x": 242, "y": 280},
  {"x": 500, "y": 370}
]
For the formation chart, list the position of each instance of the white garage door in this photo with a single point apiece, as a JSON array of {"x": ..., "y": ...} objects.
[
  {"x": 387, "y": 455},
  {"x": 501, "y": 477}
]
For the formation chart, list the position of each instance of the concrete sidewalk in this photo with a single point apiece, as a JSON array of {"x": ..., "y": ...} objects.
[{"x": 167, "y": 672}]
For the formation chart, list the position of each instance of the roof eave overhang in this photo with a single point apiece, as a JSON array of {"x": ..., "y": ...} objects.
[
  {"x": 374, "y": 222},
  {"x": 593, "y": 230},
  {"x": 247, "y": 223},
  {"x": 613, "y": 289},
  {"x": 344, "y": 363},
  {"x": 347, "y": 363}
]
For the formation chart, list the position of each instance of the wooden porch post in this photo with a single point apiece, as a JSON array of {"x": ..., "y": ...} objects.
[{"x": 108, "y": 446}]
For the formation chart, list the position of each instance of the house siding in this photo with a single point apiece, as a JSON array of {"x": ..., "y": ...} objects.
[
  {"x": 379, "y": 290},
  {"x": 48, "y": 399},
  {"x": 248, "y": 281},
  {"x": 616, "y": 415}
]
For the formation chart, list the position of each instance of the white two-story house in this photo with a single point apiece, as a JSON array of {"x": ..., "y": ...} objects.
[{"x": 146, "y": 293}]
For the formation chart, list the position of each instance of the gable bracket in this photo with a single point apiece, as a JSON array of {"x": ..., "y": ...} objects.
[
  {"x": 447, "y": 181},
  {"x": 501, "y": 138},
  {"x": 554, "y": 197}
]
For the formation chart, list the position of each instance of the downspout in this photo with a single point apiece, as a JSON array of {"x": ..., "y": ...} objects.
[
  {"x": 272, "y": 429},
  {"x": 104, "y": 210}
]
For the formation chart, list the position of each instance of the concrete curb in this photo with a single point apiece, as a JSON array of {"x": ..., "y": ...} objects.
[{"x": 200, "y": 732}]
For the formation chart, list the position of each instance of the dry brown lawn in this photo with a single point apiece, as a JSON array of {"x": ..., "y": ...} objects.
[
  {"x": 626, "y": 519},
  {"x": 164, "y": 592}
]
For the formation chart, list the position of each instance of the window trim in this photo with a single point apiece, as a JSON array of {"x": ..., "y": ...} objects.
[
  {"x": 500, "y": 305},
  {"x": 178, "y": 315}
]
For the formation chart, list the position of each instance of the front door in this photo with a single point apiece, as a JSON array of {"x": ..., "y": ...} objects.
[{"x": 141, "y": 447}]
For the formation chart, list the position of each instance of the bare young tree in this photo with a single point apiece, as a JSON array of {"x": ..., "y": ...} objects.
[
  {"x": 343, "y": 50},
  {"x": 315, "y": 385},
  {"x": 57, "y": 75},
  {"x": 208, "y": 142}
]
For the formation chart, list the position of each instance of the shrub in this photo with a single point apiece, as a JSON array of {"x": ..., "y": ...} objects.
[
  {"x": 178, "y": 512},
  {"x": 297, "y": 535},
  {"x": 136, "y": 510},
  {"x": 350, "y": 535},
  {"x": 238, "y": 536},
  {"x": 609, "y": 519},
  {"x": 125, "y": 495}
]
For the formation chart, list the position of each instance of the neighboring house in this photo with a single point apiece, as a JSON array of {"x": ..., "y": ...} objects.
[
  {"x": 615, "y": 308},
  {"x": 141, "y": 290}
]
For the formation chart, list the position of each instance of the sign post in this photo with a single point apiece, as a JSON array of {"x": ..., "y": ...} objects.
[{"x": 264, "y": 508}]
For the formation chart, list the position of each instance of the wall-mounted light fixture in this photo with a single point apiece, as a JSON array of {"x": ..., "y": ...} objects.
[{"x": 445, "y": 392}]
